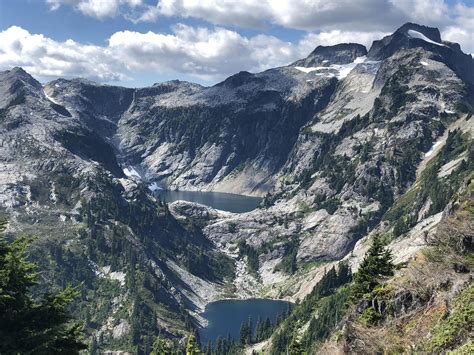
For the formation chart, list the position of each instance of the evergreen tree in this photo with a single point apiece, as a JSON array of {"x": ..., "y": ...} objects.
[
  {"x": 208, "y": 349},
  {"x": 377, "y": 264},
  {"x": 295, "y": 347},
  {"x": 192, "y": 347},
  {"x": 27, "y": 325},
  {"x": 250, "y": 330},
  {"x": 160, "y": 347},
  {"x": 244, "y": 333}
]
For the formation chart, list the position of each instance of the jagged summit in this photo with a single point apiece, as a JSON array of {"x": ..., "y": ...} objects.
[
  {"x": 410, "y": 35},
  {"x": 431, "y": 33},
  {"x": 342, "y": 53},
  {"x": 19, "y": 77}
]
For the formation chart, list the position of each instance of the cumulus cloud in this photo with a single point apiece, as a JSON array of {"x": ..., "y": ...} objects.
[
  {"x": 427, "y": 12},
  {"x": 462, "y": 30},
  {"x": 336, "y": 36},
  {"x": 348, "y": 15},
  {"x": 100, "y": 9},
  {"x": 209, "y": 54},
  {"x": 368, "y": 17},
  {"x": 46, "y": 58}
]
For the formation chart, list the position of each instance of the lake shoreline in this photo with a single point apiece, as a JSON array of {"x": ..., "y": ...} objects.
[
  {"x": 221, "y": 201},
  {"x": 225, "y": 316}
]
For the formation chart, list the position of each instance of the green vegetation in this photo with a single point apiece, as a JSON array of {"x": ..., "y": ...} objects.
[
  {"x": 223, "y": 346},
  {"x": 329, "y": 204},
  {"x": 191, "y": 346},
  {"x": 397, "y": 91},
  {"x": 431, "y": 187},
  {"x": 246, "y": 330},
  {"x": 288, "y": 264},
  {"x": 376, "y": 266},
  {"x": 465, "y": 349},
  {"x": 323, "y": 308},
  {"x": 252, "y": 257},
  {"x": 29, "y": 324},
  {"x": 160, "y": 346},
  {"x": 132, "y": 237},
  {"x": 457, "y": 327},
  {"x": 330, "y": 311}
]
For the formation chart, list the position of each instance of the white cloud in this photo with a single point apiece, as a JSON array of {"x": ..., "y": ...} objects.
[
  {"x": 199, "y": 52},
  {"x": 188, "y": 51},
  {"x": 365, "y": 16},
  {"x": 208, "y": 54},
  {"x": 204, "y": 53},
  {"x": 425, "y": 12},
  {"x": 46, "y": 58},
  {"x": 100, "y": 9},
  {"x": 246, "y": 13},
  {"x": 336, "y": 36},
  {"x": 462, "y": 31},
  {"x": 348, "y": 15}
]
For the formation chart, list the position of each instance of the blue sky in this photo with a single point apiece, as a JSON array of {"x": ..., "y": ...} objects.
[{"x": 140, "y": 42}]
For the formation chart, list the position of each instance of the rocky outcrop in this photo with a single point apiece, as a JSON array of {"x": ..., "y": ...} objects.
[
  {"x": 412, "y": 35},
  {"x": 343, "y": 53}
]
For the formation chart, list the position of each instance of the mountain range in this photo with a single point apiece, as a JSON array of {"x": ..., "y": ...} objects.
[{"x": 343, "y": 145}]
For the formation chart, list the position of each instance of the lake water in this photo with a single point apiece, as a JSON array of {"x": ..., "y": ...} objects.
[
  {"x": 218, "y": 200},
  {"x": 225, "y": 317}
]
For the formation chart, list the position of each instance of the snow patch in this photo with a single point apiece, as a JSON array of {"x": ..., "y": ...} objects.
[
  {"x": 154, "y": 187},
  {"x": 339, "y": 71},
  {"x": 423, "y": 63},
  {"x": 131, "y": 172},
  {"x": 429, "y": 152},
  {"x": 307, "y": 70},
  {"x": 419, "y": 35},
  {"x": 50, "y": 98}
]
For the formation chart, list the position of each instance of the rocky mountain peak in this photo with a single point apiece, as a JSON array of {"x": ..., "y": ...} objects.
[
  {"x": 18, "y": 77},
  {"x": 15, "y": 85},
  {"x": 236, "y": 80},
  {"x": 410, "y": 35},
  {"x": 343, "y": 53},
  {"x": 409, "y": 28}
]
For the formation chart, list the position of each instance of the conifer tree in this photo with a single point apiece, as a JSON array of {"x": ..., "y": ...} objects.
[
  {"x": 376, "y": 265},
  {"x": 191, "y": 347},
  {"x": 160, "y": 346},
  {"x": 295, "y": 347},
  {"x": 27, "y": 325}
]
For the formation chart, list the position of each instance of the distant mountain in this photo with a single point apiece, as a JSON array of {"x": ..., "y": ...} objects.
[{"x": 342, "y": 144}]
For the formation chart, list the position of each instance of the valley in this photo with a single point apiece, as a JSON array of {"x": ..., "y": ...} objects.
[{"x": 164, "y": 201}]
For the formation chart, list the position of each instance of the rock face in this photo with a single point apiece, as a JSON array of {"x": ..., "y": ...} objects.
[
  {"x": 332, "y": 141},
  {"x": 343, "y": 53},
  {"x": 412, "y": 35},
  {"x": 233, "y": 136}
]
